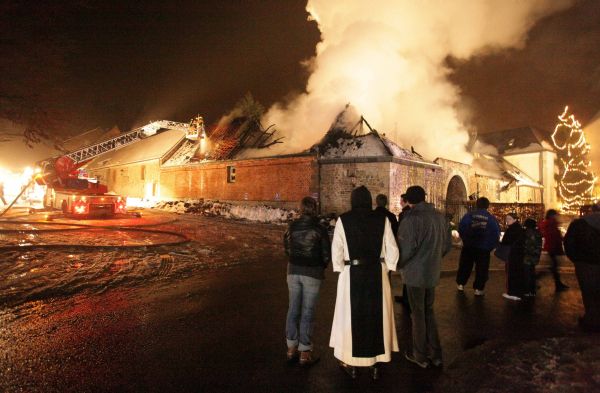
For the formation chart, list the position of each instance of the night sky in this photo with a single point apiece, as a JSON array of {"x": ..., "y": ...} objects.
[{"x": 105, "y": 63}]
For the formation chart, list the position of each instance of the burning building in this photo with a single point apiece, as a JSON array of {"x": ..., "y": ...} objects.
[{"x": 226, "y": 165}]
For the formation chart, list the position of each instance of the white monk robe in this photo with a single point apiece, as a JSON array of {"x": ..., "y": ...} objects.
[{"x": 341, "y": 331}]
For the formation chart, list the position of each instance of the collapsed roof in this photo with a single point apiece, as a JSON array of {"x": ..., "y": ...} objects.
[
  {"x": 498, "y": 167},
  {"x": 347, "y": 140}
]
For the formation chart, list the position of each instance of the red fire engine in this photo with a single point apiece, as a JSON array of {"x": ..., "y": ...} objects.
[{"x": 69, "y": 190}]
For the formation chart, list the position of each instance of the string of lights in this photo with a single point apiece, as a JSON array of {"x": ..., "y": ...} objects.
[{"x": 576, "y": 180}]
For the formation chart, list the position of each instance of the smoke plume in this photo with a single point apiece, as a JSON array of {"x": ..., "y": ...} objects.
[{"x": 388, "y": 59}]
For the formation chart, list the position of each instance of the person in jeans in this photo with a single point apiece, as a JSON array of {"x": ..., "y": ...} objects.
[
  {"x": 479, "y": 231},
  {"x": 309, "y": 249},
  {"x": 553, "y": 245},
  {"x": 424, "y": 238}
]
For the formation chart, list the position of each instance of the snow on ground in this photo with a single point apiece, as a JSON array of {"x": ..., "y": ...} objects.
[
  {"x": 228, "y": 210},
  {"x": 563, "y": 364}
]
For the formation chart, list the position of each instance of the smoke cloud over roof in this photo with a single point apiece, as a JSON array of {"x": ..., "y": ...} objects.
[{"x": 388, "y": 59}]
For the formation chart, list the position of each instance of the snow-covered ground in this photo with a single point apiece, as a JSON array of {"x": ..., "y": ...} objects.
[{"x": 228, "y": 210}]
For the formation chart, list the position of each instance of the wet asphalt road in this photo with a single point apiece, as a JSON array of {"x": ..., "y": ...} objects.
[{"x": 219, "y": 325}]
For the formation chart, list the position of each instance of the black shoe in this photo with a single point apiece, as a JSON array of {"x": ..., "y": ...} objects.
[
  {"x": 350, "y": 370},
  {"x": 374, "y": 372},
  {"x": 412, "y": 359},
  {"x": 436, "y": 362},
  {"x": 561, "y": 287}
]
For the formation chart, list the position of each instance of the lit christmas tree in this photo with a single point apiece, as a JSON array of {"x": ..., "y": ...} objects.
[{"x": 575, "y": 179}]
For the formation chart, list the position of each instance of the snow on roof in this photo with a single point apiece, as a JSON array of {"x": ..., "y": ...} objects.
[
  {"x": 500, "y": 168},
  {"x": 154, "y": 147},
  {"x": 183, "y": 154},
  {"x": 401, "y": 152},
  {"x": 368, "y": 145}
]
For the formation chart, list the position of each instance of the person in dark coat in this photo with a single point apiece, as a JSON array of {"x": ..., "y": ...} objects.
[
  {"x": 405, "y": 209},
  {"x": 479, "y": 231},
  {"x": 553, "y": 245},
  {"x": 514, "y": 237},
  {"x": 307, "y": 244},
  {"x": 381, "y": 201},
  {"x": 582, "y": 246},
  {"x": 424, "y": 238},
  {"x": 531, "y": 257}
]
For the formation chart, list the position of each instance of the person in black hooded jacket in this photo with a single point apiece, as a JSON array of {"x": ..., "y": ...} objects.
[
  {"x": 307, "y": 244},
  {"x": 514, "y": 237},
  {"x": 582, "y": 246}
]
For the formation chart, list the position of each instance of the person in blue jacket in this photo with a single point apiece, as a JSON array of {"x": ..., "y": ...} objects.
[{"x": 480, "y": 232}]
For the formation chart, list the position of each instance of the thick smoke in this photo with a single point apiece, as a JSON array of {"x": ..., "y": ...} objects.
[{"x": 387, "y": 58}]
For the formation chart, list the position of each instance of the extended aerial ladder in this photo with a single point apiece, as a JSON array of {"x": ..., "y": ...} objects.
[{"x": 67, "y": 192}]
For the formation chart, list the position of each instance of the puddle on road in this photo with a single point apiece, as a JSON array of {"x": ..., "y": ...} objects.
[
  {"x": 27, "y": 276},
  {"x": 44, "y": 274}
]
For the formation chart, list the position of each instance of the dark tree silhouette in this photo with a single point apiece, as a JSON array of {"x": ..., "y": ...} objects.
[{"x": 32, "y": 68}]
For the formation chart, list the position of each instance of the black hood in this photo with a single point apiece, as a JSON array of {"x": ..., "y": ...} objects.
[{"x": 361, "y": 198}]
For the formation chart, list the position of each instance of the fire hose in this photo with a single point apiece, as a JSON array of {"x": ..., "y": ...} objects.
[{"x": 182, "y": 239}]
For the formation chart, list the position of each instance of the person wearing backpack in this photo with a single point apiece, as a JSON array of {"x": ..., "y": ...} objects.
[
  {"x": 532, "y": 252},
  {"x": 582, "y": 246}
]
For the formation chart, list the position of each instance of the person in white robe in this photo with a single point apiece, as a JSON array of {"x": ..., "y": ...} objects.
[{"x": 342, "y": 330}]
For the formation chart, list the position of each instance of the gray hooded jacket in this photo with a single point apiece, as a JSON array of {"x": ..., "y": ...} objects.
[{"x": 424, "y": 238}]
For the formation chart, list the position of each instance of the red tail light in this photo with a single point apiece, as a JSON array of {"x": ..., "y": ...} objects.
[
  {"x": 81, "y": 207},
  {"x": 120, "y": 207}
]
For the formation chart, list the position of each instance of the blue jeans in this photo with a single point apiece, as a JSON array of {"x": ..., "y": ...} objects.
[{"x": 304, "y": 292}]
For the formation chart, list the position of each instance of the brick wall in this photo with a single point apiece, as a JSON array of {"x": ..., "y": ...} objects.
[
  {"x": 403, "y": 176},
  {"x": 276, "y": 181},
  {"x": 381, "y": 175},
  {"x": 340, "y": 177}
]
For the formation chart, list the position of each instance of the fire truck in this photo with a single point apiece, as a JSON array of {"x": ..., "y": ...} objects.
[{"x": 69, "y": 189}]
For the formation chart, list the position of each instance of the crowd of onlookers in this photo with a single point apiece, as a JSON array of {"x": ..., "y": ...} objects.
[
  {"x": 368, "y": 244},
  {"x": 520, "y": 248}
]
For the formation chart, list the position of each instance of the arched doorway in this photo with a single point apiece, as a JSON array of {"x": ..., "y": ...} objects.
[{"x": 456, "y": 199}]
